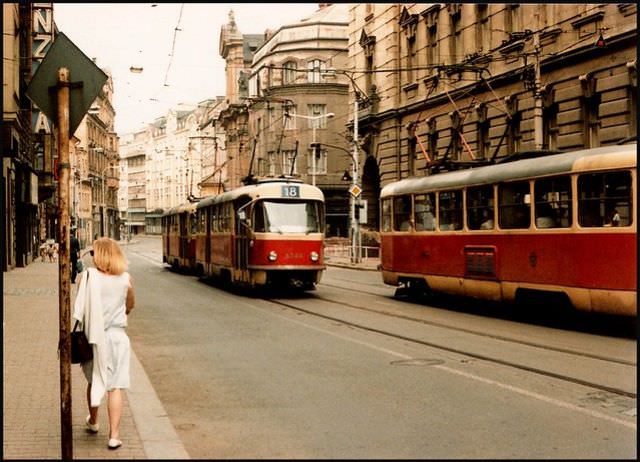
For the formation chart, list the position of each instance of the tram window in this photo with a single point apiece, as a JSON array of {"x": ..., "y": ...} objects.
[
  {"x": 258, "y": 218},
  {"x": 225, "y": 217},
  {"x": 480, "y": 207},
  {"x": 605, "y": 199},
  {"x": 201, "y": 221},
  {"x": 386, "y": 216},
  {"x": 514, "y": 203},
  {"x": 292, "y": 216},
  {"x": 402, "y": 213},
  {"x": 425, "y": 207},
  {"x": 450, "y": 210},
  {"x": 553, "y": 202},
  {"x": 214, "y": 219},
  {"x": 193, "y": 223}
]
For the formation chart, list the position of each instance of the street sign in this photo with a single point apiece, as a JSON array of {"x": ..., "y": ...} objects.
[
  {"x": 87, "y": 81},
  {"x": 355, "y": 190}
]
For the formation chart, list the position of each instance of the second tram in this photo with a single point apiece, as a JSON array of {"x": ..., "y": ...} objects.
[{"x": 560, "y": 225}]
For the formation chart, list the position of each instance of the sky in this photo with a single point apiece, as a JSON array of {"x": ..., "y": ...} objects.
[{"x": 122, "y": 35}]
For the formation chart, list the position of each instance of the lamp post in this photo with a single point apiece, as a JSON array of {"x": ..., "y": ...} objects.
[
  {"x": 354, "y": 200},
  {"x": 314, "y": 143}
]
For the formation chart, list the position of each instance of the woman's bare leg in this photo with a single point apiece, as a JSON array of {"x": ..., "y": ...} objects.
[
  {"x": 114, "y": 406},
  {"x": 93, "y": 411}
]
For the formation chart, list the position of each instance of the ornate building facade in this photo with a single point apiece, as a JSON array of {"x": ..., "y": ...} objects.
[{"x": 455, "y": 85}]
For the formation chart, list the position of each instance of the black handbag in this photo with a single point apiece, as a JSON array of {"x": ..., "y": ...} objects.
[{"x": 81, "y": 349}]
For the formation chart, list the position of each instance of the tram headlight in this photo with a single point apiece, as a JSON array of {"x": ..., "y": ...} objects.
[
  {"x": 314, "y": 256},
  {"x": 273, "y": 256}
]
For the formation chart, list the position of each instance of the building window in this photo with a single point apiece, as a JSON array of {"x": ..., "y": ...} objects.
[
  {"x": 632, "y": 98},
  {"x": 411, "y": 58},
  {"x": 289, "y": 159},
  {"x": 289, "y": 72},
  {"x": 482, "y": 27},
  {"x": 590, "y": 105},
  {"x": 432, "y": 138},
  {"x": 320, "y": 161},
  {"x": 432, "y": 45},
  {"x": 317, "y": 110},
  {"x": 513, "y": 125},
  {"x": 549, "y": 120},
  {"x": 316, "y": 68},
  {"x": 484, "y": 142},
  {"x": 271, "y": 163},
  {"x": 290, "y": 118},
  {"x": 455, "y": 37},
  {"x": 512, "y": 18},
  {"x": 456, "y": 135}
]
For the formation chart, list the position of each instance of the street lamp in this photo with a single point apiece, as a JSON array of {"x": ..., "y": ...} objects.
[
  {"x": 314, "y": 143},
  {"x": 354, "y": 200}
]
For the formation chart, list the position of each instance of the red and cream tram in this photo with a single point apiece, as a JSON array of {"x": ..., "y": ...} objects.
[
  {"x": 178, "y": 237},
  {"x": 560, "y": 225},
  {"x": 269, "y": 233}
]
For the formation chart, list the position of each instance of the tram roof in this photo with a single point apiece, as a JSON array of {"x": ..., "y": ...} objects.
[
  {"x": 583, "y": 160},
  {"x": 265, "y": 189},
  {"x": 187, "y": 207}
]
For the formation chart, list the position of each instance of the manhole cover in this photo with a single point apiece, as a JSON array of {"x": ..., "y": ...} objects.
[{"x": 418, "y": 362}]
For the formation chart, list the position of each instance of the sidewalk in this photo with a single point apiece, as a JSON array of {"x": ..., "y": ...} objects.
[
  {"x": 370, "y": 264},
  {"x": 31, "y": 384}
]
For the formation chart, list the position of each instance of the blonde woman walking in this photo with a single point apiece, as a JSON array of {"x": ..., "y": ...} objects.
[{"x": 104, "y": 300}]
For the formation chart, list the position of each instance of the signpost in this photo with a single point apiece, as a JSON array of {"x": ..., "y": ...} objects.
[{"x": 51, "y": 90}]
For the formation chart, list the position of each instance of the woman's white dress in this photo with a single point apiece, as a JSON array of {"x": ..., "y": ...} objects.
[{"x": 113, "y": 295}]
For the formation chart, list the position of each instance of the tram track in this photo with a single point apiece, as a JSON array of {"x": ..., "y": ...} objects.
[
  {"x": 472, "y": 331},
  {"x": 470, "y": 354}
]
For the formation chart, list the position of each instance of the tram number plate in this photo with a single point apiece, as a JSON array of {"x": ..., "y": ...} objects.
[{"x": 291, "y": 191}]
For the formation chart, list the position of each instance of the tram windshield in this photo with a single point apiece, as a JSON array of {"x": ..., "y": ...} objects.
[{"x": 272, "y": 216}]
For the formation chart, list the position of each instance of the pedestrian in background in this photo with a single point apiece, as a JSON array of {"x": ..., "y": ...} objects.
[
  {"x": 104, "y": 300},
  {"x": 74, "y": 253}
]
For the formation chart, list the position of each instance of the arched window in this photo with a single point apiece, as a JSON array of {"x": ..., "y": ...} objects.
[
  {"x": 289, "y": 72},
  {"x": 316, "y": 68}
]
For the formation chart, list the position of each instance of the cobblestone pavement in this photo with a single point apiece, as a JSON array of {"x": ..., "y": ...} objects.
[{"x": 31, "y": 377}]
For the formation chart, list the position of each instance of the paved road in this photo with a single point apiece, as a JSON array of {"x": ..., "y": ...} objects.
[{"x": 296, "y": 377}]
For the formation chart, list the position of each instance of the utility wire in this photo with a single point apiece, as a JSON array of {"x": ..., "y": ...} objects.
[{"x": 173, "y": 46}]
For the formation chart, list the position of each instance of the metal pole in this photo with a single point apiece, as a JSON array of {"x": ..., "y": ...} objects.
[
  {"x": 537, "y": 109},
  {"x": 355, "y": 225},
  {"x": 64, "y": 279},
  {"x": 313, "y": 153}
]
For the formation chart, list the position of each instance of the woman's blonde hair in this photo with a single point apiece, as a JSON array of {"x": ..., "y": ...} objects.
[{"x": 108, "y": 256}]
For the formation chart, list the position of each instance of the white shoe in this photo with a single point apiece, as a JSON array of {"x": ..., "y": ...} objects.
[
  {"x": 114, "y": 443},
  {"x": 93, "y": 428}
]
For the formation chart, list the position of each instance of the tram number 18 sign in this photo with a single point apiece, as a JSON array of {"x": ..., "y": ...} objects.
[{"x": 291, "y": 191}]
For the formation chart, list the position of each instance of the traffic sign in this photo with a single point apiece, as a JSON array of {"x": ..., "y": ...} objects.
[
  {"x": 355, "y": 190},
  {"x": 87, "y": 80}
]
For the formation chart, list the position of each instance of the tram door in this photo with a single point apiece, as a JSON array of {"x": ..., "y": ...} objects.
[
  {"x": 241, "y": 233},
  {"x": 167, "y": 235},
  {"x": 207, "y": 234},
  {"x": 184, "y": 240}
]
